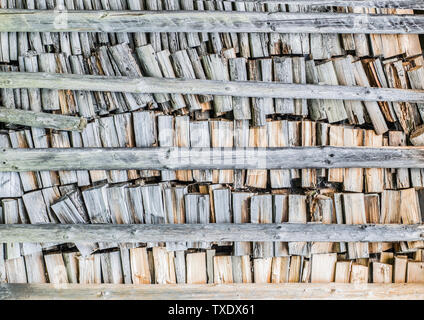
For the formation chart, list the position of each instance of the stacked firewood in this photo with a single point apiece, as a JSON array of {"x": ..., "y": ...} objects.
[{"x": 124, "y": 120}]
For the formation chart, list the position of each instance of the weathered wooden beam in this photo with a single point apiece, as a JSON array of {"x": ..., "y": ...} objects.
[
  {"x": 14, "y": 80},
  {"x": 18, "y": 20},
  {"x": 83, "y": 233},
  {"x": 174, "y": 158},
  {"x": 396, "y": 4},
  {"x": 249, "y": 291},
  {"x": 42, "y": 119}
]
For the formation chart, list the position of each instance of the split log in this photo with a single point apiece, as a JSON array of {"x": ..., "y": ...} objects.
[{"x": 354, "y": 212}]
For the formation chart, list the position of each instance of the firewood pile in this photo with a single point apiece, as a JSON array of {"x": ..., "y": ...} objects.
[{"x": 89, "y": 74}]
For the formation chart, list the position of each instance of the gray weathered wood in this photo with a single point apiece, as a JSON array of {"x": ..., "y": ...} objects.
[
  {"x": 399, "y": 4},
  {"x": 42, "y": 119},
  {"x": 173, "y": 158},
  {"x": 242, "y": 291},
  {"x": 16, "y": 80},
  {"x": 210, "y": 232},
  {"x": 17, "y": 20}
]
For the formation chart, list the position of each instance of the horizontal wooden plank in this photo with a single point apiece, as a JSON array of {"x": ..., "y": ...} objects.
[
  {"x": 18, "y": 20},
  {"x": 42, "y": 119},
  {"x": 14, "y": 80},
  {"x": 209, "y": 232},
  {"x": 249, "y": 291},
  {"x": 173, "y": 158},
  {"x": 398, "y": 4}
]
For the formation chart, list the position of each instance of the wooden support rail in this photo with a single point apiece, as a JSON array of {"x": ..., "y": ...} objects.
[
  {"x": 18, "y": 20},
  {"x": 173, "y": 158},
  {"x": 14, "y": 80},
  {"x": 42, "y": 119},
  {"x": 396, "y": 4},
  {"x": 209, "y": 232},
  {"x": 249, "y": 291}
]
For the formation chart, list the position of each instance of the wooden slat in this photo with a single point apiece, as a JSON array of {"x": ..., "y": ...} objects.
[
  {"x": 398, "y": 4},
  {"x": 16, "y": 80},
  {"x": 173, "y": 158},
  {"x": 42, "y": 119},
  {"x": 209, "y": 232},
  {"x": 371, "y": 291},
  {"x": 18, "y": 20}
]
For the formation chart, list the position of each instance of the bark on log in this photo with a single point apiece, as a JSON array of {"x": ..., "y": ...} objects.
[
  {"x": 210, "y": 232},
  {"x": 18, "y": 20}
]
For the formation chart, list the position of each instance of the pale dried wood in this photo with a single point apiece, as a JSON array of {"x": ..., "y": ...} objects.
[
  {"x": 343, "y": 269},
  {"x": 399, "y": 269},
  {"x": 298, "y": 232},
  {"x": 225, "y": 159},
  {"x": 297, "y": 214},
  {"x": 280, "y": 215},
  {"x": 200, "y": 137},
  {"x": 55, "y": 267},
  {"x": 240, "y": 207},
  {"x": 382, "y": 272},
  {"x": 398, "y": 138},
  {"x": 222, "y": 133},
  {"x": 373, "y": 109},
  {"x": 309, "y": 139},
  {"x": 16, "y": 80},
  {"x": 359, "y": 274},
  {"x": 262, "y": 270},
  {"x": 223, "y": 270},
  {"x": 164, "y": 266},
  {"x": 372, "y": 212},
  {"x": 229, "y": 291},
  {"x": 353, "y": 179},
  {"x": 280, "y": 269},
  {"x": 415, "y": 273},
  {"x": 257, "y": 138},
  {"x": 261, "y": 212},
  {"x": 406, "y": 4},
  {"x": 140, "y": 272},
  {"x": 196, "y": 268},
  {"x": 354, "y": 213},
  {"x": 278, "y": 136}
]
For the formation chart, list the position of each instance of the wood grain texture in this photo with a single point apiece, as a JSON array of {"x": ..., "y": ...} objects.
[
  {"x": 42, "y": 119},
  {"x": 210, "y": 232},
  {"x": 369, "y": 291},
  {"x": 18, "y": 20},
  {"x": 173, "y": 158},
  {"x": 16, "y": 80},
  {"x": 398, "y": 4}
]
